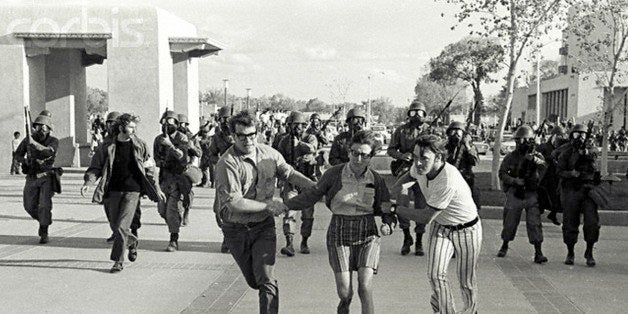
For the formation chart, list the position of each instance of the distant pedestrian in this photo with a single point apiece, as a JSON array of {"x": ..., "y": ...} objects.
[
  {"x": 125, "y": 170},
  {"x": 246, "y": 176},
  {"x": 15, "y": 142},
  {"x": 355, "y": 194},
  {"x": 455, "y": 228},
  {"x": 37, "y": 154}
]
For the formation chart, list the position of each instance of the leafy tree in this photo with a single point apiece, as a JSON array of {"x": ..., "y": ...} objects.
[
  {"x": 519, "y": 24},
  {"x": 436, "y": 95},
  {"x": 471, "y": 60},
  {"x": 548, "y": 69},
  {"x": 600, "y": 28},
  {"x": 316, "y": 105},
  {"x": 97, "y": 101}
]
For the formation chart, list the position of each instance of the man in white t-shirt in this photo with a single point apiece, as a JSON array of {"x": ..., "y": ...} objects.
[{"x": 455, "y": 222}]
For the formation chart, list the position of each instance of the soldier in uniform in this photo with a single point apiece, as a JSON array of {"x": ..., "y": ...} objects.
[
  {"x": 204, "y": 140},
  {"x": 462, "y": 154},
  {"x": 577, "y": 171},
  {"x": 194, "y": 154},
  {"x": 548, "y": 187},
  {"x": 171, "y": 149},
  {"x": 520, "y": 173},
  {"x": 221, "y": 141},
  {"x": 400, "y": 149},
  {"x": 299, "y": 150},
  {"x": 339, "y": 152},
  {"x": 37, "y": 154},
  {"x": 317, "y": 130}
]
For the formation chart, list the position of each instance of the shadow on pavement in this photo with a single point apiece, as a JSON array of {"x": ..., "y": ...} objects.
[
  {"x": 76, "y": 220},
  {"x": 99, "y": 243},
  {"x": 58, "y": 264}
]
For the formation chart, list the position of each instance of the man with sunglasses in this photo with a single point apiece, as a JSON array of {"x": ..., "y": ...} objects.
[
  {"x": 221, "y": 141},
  {"x": 299, "y": 150},
  {"x": 246, "y": 175},
  {"x": 520, "y": 173},
  {"x": 37, "y": 154},
  {"x": 400, "y": 149},
  {"x": 172, "y": 149},
  {"x": 462, "y": 154},
  {"x": 578, "y": 172},
  {"x": 339, "y": 152}
]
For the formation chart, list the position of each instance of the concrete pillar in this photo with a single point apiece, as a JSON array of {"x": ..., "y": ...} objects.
[
  {"x": 185, "y": 88},
  {"x": 37, "y": 82},
  {"x": 14, "y": 88}
]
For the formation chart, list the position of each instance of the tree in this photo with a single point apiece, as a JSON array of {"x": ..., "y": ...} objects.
[
  {"x": 435, "y": 96},
  {"x": 97, "y": 101},
  {"x": 519, "y": 24},
  {"x": 316, "y": 105},
  {"x": 548, "y": 69},
  {"x": 600, "y": 28},
  {"x": 472, "y": 60},
  {"x": 383, "y": 108}
]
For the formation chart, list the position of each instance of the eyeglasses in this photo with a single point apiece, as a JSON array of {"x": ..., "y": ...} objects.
[
  {"x": 360, "y": 154},
  {"x": 413, "y": 113},
  {"x": 250, "y": 136}
]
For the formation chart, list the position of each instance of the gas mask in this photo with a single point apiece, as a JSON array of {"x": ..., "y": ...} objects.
[
  {"x": 41, "y": 132},
  {"x": 356, "y": 123},
  {"x": 168, "y": 128},
  {"x": 525, "y": 145},
  {"x": 454, "y": 136},
  {"x": 577, "y": 140},
  {"x": 417, "y": 117},
  {"x": 296, "y": 129}
]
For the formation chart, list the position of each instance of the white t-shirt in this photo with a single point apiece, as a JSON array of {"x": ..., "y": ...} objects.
[{"x": 449, "y": 194}]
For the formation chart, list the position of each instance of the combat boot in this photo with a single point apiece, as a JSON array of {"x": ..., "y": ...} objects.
[
  {"x": 111, "y": 238},
  {"x": 223, "y": 247},
  {"x": 304, "y": 248},
  {"x": 173, "y": 246},
  {"x": 503, "y": 250},
  {"x": 570, "y": 255},
  {"x": 43, "y": 234},
  {"x": 407, "y": 242},
  {"x": 539, "y": 258},
  {"x": 288, "y": 249},
  {"x": 588, "y": 254},
  {"x": 418, "y": 245}
]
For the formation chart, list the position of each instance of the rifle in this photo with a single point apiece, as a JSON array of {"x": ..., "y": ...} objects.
[
  {"x": 458, "y": 154},
  {"x": 445, "y": 108},
  {"x": 28, "y": 126},
  {"x": 525, "y": 168},
  {"x": 330, "y": 118}
]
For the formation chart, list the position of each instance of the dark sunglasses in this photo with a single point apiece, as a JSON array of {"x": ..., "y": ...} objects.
[
  {"x": 359, "y": 154},
  {"x": 250, "y": 136}
]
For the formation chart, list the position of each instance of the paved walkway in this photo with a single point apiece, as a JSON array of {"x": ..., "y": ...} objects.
[{"x": 71, "y": 273}]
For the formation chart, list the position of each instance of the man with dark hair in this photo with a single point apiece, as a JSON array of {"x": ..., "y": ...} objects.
[
  {"x": 246, "y": 176},
  {"x": 400, "y": 149},
  {"x": 15, "y": 142},
  {"x": 171, "y": 149},
  {"x": 455, "y": 224},
  {"x": 126, "y": 171},
  {"x": 37, "y": 154}
]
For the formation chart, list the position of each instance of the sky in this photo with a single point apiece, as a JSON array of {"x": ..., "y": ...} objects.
[{"x": 316, "y": 49}]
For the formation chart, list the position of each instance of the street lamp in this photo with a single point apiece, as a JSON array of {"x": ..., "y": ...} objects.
[
  {"x": 248, "y": 97},
  {"x": 226, "y": 82}
]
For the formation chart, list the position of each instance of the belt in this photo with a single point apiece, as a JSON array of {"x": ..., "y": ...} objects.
[
  {"x": 462, "y": 226},
  {"x": 245, "y": 224}
]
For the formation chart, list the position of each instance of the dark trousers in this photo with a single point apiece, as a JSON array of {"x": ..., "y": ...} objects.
[
  {"x": 576, "y": 203},
  {"x": 512, "y": 215},
  {"x": 38, "y": 198},
  {"x": 253, "y": 246},
  {"x": 136, "y": 223},
  {"x": 121, "y": 207},
  {"x": 15, "y": 165}
]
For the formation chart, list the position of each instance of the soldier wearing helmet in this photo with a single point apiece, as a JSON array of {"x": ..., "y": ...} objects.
[
  {"x": 299, "y": 149},
  {"x": 520, "y": 173},
  {"x": 339, "y": 152},
  {"x": 195, "y": 153},
  {"x": 400, "y": 149},
  {"x": 462, "y": 154},
  {"x": 316, "y": 130},
  {"x": 204, "y": 139},
  {"x": 576, "y": 167},
  {"x": 548, "y": 187},
  {"x": 37, "y": 154},
  {"x": 172, "y": 150}
]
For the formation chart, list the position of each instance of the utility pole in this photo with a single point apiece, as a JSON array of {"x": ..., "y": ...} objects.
[
  {"x": 226, "y": 82},
  {"x": 248, "y": 97}
]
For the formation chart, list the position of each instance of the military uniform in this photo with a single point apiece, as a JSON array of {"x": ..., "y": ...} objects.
[
  {"x": 37, "y": 158},
  {"x": 339, "y": 152},
  {"x": 464, "y": 158},
  {"x": 204, "y": 140}
]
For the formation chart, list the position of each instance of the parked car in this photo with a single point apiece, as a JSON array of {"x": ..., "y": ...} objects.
[
  {"x": 381, "y": 129},
  {"x": 508, "y": 145},
  {"x": 480, "y": 146}
]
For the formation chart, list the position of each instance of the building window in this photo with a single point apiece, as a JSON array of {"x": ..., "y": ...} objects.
[{"x": 554, "y": 104}]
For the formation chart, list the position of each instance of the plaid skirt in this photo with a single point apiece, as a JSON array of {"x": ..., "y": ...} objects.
[{"x": 352, "y": 243}]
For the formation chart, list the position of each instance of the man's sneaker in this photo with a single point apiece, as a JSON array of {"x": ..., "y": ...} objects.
[
  {"x": 133, "y": 252},
  {"x": 173, "y": 246},
  {"x": 117, "y": 267},
  {"x": 569, "y": 259},
  {"x": 44, "y": 239},
  {"x": 111, "y": 239},
  {"x": 540, "y": 259}
]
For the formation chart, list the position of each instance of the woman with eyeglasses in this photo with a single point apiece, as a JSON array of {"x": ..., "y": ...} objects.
[{"x": 355, "y": 194}]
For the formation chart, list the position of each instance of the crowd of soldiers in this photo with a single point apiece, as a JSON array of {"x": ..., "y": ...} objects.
[{"x": 560, "y": 176}]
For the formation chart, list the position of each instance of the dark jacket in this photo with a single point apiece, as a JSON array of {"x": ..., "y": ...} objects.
[
  {"x": 339, "y": 152},
  {"x": 41, "y": 155},
  {"x": 512, "y": 168},
  {"x": 102, "y": 164},
  {"x": 170, "y": 159},
  {"x": 221, "y": 141}
]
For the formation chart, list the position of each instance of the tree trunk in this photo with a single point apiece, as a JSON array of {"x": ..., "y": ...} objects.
[
  {"x": 608, "y": 106},
  {"x": 478, "y": 99}
]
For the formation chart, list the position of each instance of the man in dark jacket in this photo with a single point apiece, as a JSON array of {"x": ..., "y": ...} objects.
[
  {"x": 37, "y": 155},
  {"x": 126, "y": 170},
  {"x": 339, "y": 152}
]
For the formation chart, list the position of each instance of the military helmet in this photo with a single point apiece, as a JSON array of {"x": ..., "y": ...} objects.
[
  {"x": 224, "y": 112},
  {"x": 112, "y": 116},
  {"x": 456, "y": 125},
  {"x": 355, "y": 112},
  {"x": 169, "y": 114},
  {"x": 46, "y": 113},
  {"x": 296, "y": 117},
  {"x": 558, "y": 130},
  {"x": 524, "y": 131},
  {"x": 417, "y": 105},
  {"x": 183, "y": 118},
  {"x": 315, "y": 116},
  {"x": 44, "y": 120},
  {"x": 578, "y": 128}
]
